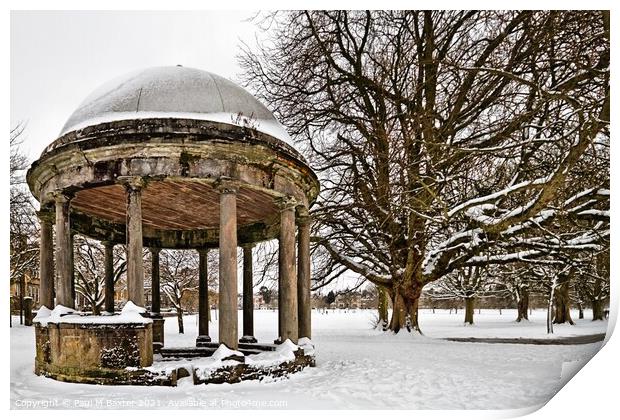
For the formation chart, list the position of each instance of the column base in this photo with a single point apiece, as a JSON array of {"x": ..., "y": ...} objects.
[
  {"x": 278, "y": 341},
  {"x": 158, "y": 331},
  {"x": 248, "y": 339},
  {"x": 202, "y": 339}
]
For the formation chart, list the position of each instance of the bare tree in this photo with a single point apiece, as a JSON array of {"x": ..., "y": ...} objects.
[
  {"x": 24, "y": 249},
  {"x": 265, "y": 265},
  {"x": 179, "y": 272},
  {"x": 518, "y": 281},
  {"x": 467, "y": 283},
  {"x": 442, "y": 139},
  {"x": 594, "y": 282},
  {"x": 90, "y": 271}
]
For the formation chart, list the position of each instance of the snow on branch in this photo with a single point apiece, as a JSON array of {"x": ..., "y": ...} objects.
[
  {"x": 352, "y": 265},
  {"x": 502, "y": 193}
]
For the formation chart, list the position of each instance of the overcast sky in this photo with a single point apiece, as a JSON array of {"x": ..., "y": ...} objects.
[{"x": 58, "y": 58}]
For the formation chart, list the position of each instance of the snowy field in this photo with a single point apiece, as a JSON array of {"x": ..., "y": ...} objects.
[{"x": 357, "y": 367}]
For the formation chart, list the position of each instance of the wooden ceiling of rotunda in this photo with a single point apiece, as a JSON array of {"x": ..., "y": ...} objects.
[{"x": 175, "y": 205}]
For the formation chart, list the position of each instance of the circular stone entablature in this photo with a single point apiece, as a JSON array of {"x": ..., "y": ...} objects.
[{"x": 183, "y": 133}]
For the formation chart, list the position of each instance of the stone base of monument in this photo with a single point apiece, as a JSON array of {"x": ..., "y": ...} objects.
[
  {"x": 118, "y": 350},
  {"x": 214, "y": 363},
  {"x": 95, "y": 353},
  {"x": 241, "y": 371},
  {"x": 95, "y": 349}
]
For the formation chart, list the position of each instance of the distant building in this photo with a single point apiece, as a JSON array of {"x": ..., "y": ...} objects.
[
  {"x": 120, "y": 296},
  {"x": 351, "y": 300},
  {"x": 368, "y": 302},
  {"x": 259, "y": 302},
  {"x": 31, "y": 288}
]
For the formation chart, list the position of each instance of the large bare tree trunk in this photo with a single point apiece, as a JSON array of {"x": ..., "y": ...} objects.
[
  {"x": 383, "y": 308},
  {"x": 405, "y": 310},
  {"x": 550, "y": 308},
  {"x": 469, "y": 310},
  {"x": 597, "y": 310},
  {"x": 597, "y": 303},
  {"x": 562, "y": 304},
  {"x": 523, "y": 303}
]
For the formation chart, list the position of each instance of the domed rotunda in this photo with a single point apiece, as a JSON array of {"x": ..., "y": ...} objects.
[{"x": 178, "y": 158}]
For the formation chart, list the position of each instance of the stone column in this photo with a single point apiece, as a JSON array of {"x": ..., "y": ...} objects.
[
  {"x": 155, "y": 286},
  {"x": 304, "y": 305},
  {"x": 72, "y": 264},
  {"x": 108, "y": 262},
  {"x": 287, "y": 282},
  {"x": 228, "y": 266},
  {"x": 248, "y": 296},
  {"x": 158, "y": 320},
  {"x": 203, "y": 298},
  {"x": 46, "y": 260},
  {"x": 135, "y": 266},
  {"x": 63, "y": 250}
]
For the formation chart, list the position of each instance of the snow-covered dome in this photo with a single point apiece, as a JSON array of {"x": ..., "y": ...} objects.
[{"x": 175, "y": 92}]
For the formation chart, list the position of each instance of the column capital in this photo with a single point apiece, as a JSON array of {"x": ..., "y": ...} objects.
[
  {"x": 108, "y": 244},
  {"x": 248, "y": 245},
  {"x": 154, "y": 249},
  {"x": 133, "y": 183},
  {"x": 304, "y": 220},
  {"x": 61, "y": 196},
  {"x": 46, "y": 216},
  {"x": 303, "y": 215},
  {"x": 286, "y": 202},
  {"x": 226, "y": 185},
  {"x": 46, "y": 199},
  {"x": 302, "y": 210},
  {"x": 203, "y": 251}
]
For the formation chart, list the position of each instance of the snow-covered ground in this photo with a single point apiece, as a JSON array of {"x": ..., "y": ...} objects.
[{"x": 357, "y": 367}]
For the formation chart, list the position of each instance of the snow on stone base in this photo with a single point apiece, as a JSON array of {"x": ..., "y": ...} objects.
[
  {"x": 205, "y": 367},
  {"x": 44, "y": 315},
  {"x": 284, "y": 352},
  {"x": 202, "y": 365},
  {"x": 224, "y": 352},
  {"x": 307, "y": 346},
  {"x": 130, "y": 314}
]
